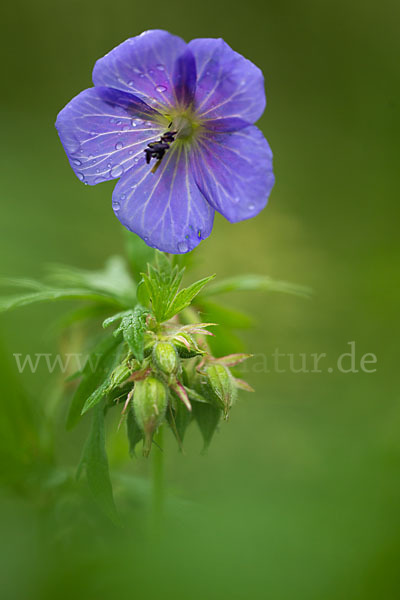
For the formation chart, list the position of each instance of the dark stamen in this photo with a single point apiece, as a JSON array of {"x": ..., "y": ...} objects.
[{"x": 157, "y": 149}]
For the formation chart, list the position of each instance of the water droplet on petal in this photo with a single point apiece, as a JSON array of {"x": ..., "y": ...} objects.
[
  {"x": 235, "y": 199},
  {"x": 161, "y": 88},
  {"x": 81, "y": 176},
  {"x": 123, "y": 196},
  {"x": 251, "y": 206},
  {"x": 126, "y": 128},
  {"x": 118, "y": 122},
  {"x": 131, "y": 83},
  {"x": 112, "y": 120},
  {"x": 160, "y": 67},
  {"x": 148, "y": 123},
  {"x": 116, "y": 206},
  {"x": 77, "y": 162},
  {"x": 99, "y": 180},
  {"x": 136, "y": 159},
  {"x": 109, "y": 165},
  {"x": 117, "y": 171},
  {"x": 119, "y": 145},
  {"x": 133, "y": 123},
  {"x": 130, "y": 152},
  {"x": 183, "y": 247},
  {"x": 141, "y": 75},
  {"x": 151, "y": 72}
]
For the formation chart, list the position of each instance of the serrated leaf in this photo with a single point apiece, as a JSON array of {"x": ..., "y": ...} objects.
[
  {"x": 134, "y": 432},
  {"x": 133, "y": 327},
  {"x": 95, "y": 462},
  {"x": 98, "y": 367},
  {"x": 114, "y": 318},
  {"x": 256, "y": 283},
  {"x": 185, "y": 297}
]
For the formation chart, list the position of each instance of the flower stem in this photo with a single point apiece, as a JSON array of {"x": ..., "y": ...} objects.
[{"x": 158, "y": 481}]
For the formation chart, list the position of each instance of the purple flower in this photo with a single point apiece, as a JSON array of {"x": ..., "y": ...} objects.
[{"x": 174, "y": 122}]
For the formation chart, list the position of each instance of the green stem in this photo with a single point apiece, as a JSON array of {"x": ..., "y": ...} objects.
[{"x": 158, "y": 480}]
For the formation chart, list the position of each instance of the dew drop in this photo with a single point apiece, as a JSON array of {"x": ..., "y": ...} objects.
[
  {"x": 77, "y": 162},
  {"x": 130, "y": 152},
  {"x": 123, "y": 197},
  {"x": 137, "y": 70},
  {"x": 117, "y": 171},
  {"x": 160, "y": 67},
  {"x": 131, "y": 83},
  {"x": 97, "y": 170},
  {"x": 161, "y": 88},
  {"x": 116, "y": 206},
  {"x": 151, "y": 72},
  {"x": 119, "y": 145},
  {"x": 126, "y": 128},
  {"x": 136, "y": 159},
  {"x": 183, "y": 247},
  {"x": 148, "y": 123},
  {"x": 133, "y": 123},
  {"x": 109, "y": 165},
  {"x": 141, "y": 75},
  {"x": 118, "y": 122},
  {"x": 81, "y": 176},
  {"x": 235, "y": 199},
  {"x": 251, "y": 206},
  {"x": 112, "y": 120}
]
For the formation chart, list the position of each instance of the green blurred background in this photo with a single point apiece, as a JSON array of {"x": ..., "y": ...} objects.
[{"x": 298, "y": 496}]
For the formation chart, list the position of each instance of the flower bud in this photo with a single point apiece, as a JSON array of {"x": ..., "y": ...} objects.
[
  {"x": 186, "y": 346},
  {"x": 149, "y": 404},
  {"x": 221, "y": 383},
  {"x": 165, "y": 357}
]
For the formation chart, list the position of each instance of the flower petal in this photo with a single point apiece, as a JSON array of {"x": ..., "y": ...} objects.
[
  {"x": 228, "y": 85},
  {"x": 234, "y": 171},
  {"x": 144, "y": 66},
  {"x": 185, "y": 78},
  {"x": 105, "y": 131},
  {"x": 165, "y": 208}
]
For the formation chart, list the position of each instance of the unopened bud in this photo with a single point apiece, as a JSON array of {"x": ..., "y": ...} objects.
[
  {"x": 222, "y": 385},
  {"x": 149, "y": 404},
  {"x": 186, "y": 346},
  {"x": 165, "y": 357}
]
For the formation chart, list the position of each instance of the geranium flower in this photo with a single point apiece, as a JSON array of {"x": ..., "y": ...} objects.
[{"x": 174, "y": 122}]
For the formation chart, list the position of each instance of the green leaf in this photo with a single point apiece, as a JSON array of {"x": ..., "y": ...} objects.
[
  {"x": 99, "y": 365},
  {"x": 114, "y": 318},
  {"x": 134, "y": 432},
  {"x": 51, "y": 295},
  {"x": 133, "y": 327},
  {"x": 113, "y": 280},
  {"x": 207, "y": 417},
  {"x": 162, "y": 286},
  {"x": 256, "y": 283},
  {"x": 179, "y": 418},
  {"x": 225, "y": 316},
  {"x": 185, "y": 297},
  {"x": 96, "y": 464},
  {"x": 195, "y": 396}
]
